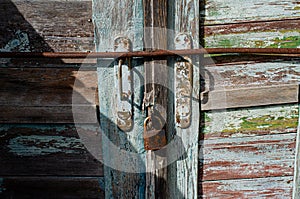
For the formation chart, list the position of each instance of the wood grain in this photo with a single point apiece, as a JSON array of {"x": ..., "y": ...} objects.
[
  {"x": 51, "y": 26},
  {"x": 156, "y": 82},
  {"x": 252, "y": 97},
  {"x": 46, "y": 150},
  {"x": 50, "y": 115},
  {"x": 248, "y": 157},
  {"x": 220, "y": 12},
  {"x": 296, "y": 181},
  {"x": 183, "y": 173},
  {"x": 271, "y": 187},
  {"x": 51, "y": 187},
  {"x": 125, "y": 167},
  {"x": 38, "y": 95}
]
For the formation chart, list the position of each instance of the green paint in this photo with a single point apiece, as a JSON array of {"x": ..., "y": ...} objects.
[
  {"x": 297, "y": 8},
  {"x": 251, "y": 120},
  {"x": 264, "y": 123},
  {"x": 288, "y": 38},
  {"x": 286, "y": 42}
]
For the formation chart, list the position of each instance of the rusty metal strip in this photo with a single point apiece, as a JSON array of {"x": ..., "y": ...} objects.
[{"x": 156, "y": 53}]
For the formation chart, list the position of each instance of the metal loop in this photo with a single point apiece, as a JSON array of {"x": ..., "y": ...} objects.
[
  {"x": 123, "y": 95},
  {"x": 149, "y": 118}
]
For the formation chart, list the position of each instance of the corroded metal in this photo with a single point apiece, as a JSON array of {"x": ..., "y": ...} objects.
[
  {"x": 156, "y": 53},
  {"x": 183, "y": 83},
  {"x": 154, "y": 134},
  {"x": 124, "y": 86}
]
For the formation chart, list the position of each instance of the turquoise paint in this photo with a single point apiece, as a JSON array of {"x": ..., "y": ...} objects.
[
  {"x": 20, "y": 43},
  {"x": 36, "y": 145},
  {"x": 58, "y": 128},
  {"x": 101, "y": 182},
  {"x": 2, "y": 185}
]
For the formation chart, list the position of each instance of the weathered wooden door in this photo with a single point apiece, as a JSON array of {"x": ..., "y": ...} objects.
[{"x": 130, "y": 90}]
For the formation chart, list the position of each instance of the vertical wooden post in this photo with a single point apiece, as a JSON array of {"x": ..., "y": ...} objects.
[
  {"x": 183, "y": 174},
  {"x": 112, "y": 19},
  {"x": 156, "y": 88},
  {"x": 296, "y": 182}
]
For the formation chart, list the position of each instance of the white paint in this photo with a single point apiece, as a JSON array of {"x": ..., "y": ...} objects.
[
  {"x": 219, "y": 11},
  {"x": 296, "y": 182},
  {"x": 249, "y": 39},
  {"x": 232, "y": 120}
]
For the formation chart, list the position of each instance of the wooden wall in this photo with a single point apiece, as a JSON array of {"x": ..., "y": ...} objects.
[
  {"x": 247, "y": 150},
  {"x": 42, "y": 155}
]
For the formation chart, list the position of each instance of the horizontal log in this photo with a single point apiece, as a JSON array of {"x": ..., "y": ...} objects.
[
  {"x": 248, "y": 157},
  {"x": 252, "y": 96},
  {"x": 47, "y": 150},
  {"x": 51, "y": 187},
  {"x": 49, "y": 114},
  {"x": 272, "y": 187},
  {"x": 231, "y": 11}
]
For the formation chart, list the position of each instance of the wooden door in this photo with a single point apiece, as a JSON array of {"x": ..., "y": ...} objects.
[{"x": 147, "y": 25}]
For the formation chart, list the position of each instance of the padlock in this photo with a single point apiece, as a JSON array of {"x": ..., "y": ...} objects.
[{"x": 154, "y": 139}]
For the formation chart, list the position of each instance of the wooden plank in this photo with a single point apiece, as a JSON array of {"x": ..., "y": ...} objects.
[
  {"x": 51, "y": 114},
  {"x": 123, "y": 152},
  {"x": 183, "y": 173},
  {"x": 156, "y": 84},
  {"x": 248, "y": 157},
  {"x": 51, "y": 187},
  {"x": 47, "y": 86},
  {"x": 252, "y": 96},
  {"x": 272, "y": 187},
  {"x": 271, "y": 34},
  {"x": 296, "y": 182},
  {"x": 46, "y": 150},
  {"x": 40, "y": 26},
  {"x": 220, "y": 12},
  {"x": 250, "y": 121}
]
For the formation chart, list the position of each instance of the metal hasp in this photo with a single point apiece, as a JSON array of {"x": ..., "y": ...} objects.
[
  {"x": 183, "y": 80},
  {"x": 124, "y": 85},
  {"x": 154, "y": 134}
]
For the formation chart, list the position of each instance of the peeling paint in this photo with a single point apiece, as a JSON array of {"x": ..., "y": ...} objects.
[
  {"x": 20, "y": 43},
  {"x": 252, "y": 119},
  {"x": 267, "y": 39},
  {"x": 219, "y": 11},
  {"x": 248, "y": 157},
  {"x": 270, "y": 187},
  {"x": 1, "y": 185},
  {"x": 101, "y": 182},
  {"x": 258, "y": 74},
  {"x": 36, "y": 145}
]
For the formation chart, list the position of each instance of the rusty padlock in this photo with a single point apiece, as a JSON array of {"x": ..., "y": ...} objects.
[{"x": 155, "y": 135}]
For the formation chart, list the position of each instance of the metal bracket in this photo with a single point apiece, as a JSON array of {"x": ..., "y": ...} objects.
[
  {"x": 183, "y": 71},
  {"x": 124, "y": 85}
]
